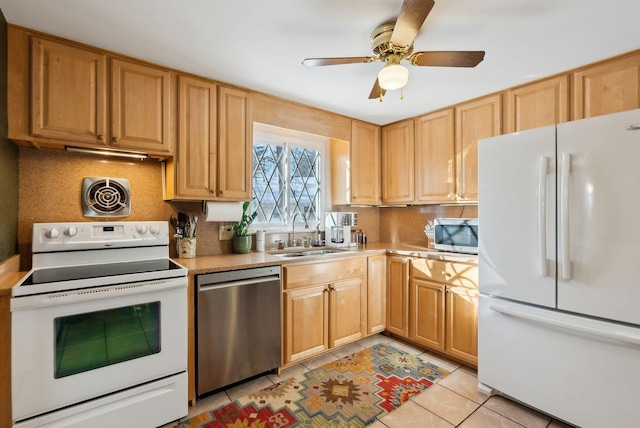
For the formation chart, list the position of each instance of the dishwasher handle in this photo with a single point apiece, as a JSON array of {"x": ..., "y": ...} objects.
[{"x": 227, "y": 284}]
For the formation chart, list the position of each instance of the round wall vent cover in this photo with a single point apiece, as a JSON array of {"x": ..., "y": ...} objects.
[{"x": 106, "y": 197}]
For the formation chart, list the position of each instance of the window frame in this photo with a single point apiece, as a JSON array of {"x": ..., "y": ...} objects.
[{"x": 267, "y": 134}]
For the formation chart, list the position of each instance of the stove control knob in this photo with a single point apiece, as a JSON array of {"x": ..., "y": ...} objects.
[
  {"x": 52, "y": 233},
  {"x": 71, "y": 231},
  {"x": 141, "y": 229},
  {"x": 155, "y": 230}
]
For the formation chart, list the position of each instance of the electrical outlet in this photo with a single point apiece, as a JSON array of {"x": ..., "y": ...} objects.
[{"x": 225, "y": 232}]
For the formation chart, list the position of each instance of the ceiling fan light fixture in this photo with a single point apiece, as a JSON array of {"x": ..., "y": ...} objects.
[{"x": 393, "y": 76}]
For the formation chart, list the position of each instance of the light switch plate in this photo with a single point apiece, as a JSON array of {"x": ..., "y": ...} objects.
[{"x": 225, "y": 232}]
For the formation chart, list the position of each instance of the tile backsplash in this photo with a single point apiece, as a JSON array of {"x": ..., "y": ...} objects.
[{"x": 50, "y": 185}]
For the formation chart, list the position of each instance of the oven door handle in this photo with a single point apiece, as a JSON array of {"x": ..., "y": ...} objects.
[{"x": 95, "y": 293}]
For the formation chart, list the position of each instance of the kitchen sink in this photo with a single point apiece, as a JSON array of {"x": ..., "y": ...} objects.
[
  {"x": 288, "y": 255},
  {"x": 310, "y": 253},
  {"x": 318, "y": 252}
]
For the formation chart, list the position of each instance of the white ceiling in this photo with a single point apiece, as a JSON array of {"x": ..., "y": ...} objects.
[{"x": 260, "y": 44}]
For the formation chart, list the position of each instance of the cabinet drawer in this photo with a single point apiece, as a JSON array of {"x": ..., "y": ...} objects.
[
  {"x": 451, "y": 273},
  {"x": 323, "y": 272}
]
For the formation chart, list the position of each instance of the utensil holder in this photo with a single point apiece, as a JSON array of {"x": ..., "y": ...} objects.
[{"x": 186, "y": 248}]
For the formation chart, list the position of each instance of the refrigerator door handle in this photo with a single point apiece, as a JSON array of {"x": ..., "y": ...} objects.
[
  {"x": 542, "y": 215},
  {"x": 565, "y": 257},
  {"x": 633, "y": 339}
]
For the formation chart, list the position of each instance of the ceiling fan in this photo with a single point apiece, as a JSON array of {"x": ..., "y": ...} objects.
[{"x": 393, "y": 42}]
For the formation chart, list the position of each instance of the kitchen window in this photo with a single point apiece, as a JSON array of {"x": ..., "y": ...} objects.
[{"x": 287, "y": 178}]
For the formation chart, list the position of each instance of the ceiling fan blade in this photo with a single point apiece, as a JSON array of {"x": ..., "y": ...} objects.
[
  {"x": 447, "y": 58},
  {"x": 316, "y": 62},
  {"x": 377, "y": 91},
  {"x": 411, "y": 18}
]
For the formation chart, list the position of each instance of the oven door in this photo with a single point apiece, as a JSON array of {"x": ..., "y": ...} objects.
[{"x": 73, "y": 346}]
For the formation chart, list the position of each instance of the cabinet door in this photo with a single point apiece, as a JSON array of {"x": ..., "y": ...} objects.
[
  {"x": 235, "y": 145},
  {"x": 609, "y": 87},
  {"x": 68, "y": 96},
  {"x": 427, "y": 313},
  {"x": 538, "y": 104},
  {"x": 435, "y": 158},
  {"x": 474, "y": 120},
  {"x": 306, "y": 321},
  {"x": 365, "y": 163},
  {"x": 346, "y": 315},
  {"x": 376, "y": 293},
  {"x": 462, "y": 323},
  {"x": 196, "y": 156},
  {"x": 398, "y": 295},
  {"x": 140, "y": 106},
  {"x": 398, "y": 163}
]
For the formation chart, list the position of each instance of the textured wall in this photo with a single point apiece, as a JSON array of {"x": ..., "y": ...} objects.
[
  {"x": 8, "y": 163},
  {"x": 51, "y": 187},
  {"x": 406, "y": 224}
]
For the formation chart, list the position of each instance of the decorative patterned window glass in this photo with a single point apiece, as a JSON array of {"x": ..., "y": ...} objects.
[{"x": 286, "y": 181}]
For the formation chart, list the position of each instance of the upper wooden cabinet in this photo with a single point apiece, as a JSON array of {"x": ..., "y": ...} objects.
[
  {"x": 235, "y": 143},
  {"x": 365, "y": 163},
  {"x": 140, "y": 106},
  {"x": 196, "y": 171},
  {"x": 542, "y": 103},
  {"x": 435, "y": 157},
  {"x": 607, "y": 87},
  {"x": 398, "y": 163},
  {"x": 68, "y": 92},
  {"x": 355, "y": 166},
  {"x": 215, "y": 140},
  {"x": 64, "y": 94},
  {"x": 475, "y": 120}
]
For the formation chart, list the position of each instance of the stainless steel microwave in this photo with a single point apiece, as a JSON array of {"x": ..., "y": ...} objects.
[{"x": 459, "y": 235}]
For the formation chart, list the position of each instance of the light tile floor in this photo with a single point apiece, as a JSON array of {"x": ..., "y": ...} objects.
[{"x": 452, "y": 402}]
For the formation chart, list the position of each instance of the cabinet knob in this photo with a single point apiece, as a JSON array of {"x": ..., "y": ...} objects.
[
  {"x": 115, "y": 139},
  {"x": 222, "y": 192},
  {"x": 100, "y": 137},
  {"x": 458, "y": 197},
  {"x": 355, "y": 198},
  {"x": 449, "y": 196},
  {"x": 445, "y": 273}
]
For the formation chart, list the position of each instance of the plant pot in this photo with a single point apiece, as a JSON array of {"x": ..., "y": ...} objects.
[{"x": 242, "y": 244}]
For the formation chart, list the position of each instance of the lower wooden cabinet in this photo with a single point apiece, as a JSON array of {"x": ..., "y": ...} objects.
[
  {"x": 376, "y": 293},
  {"x": 398, "y": 295},
  {"x": 427, "y": 313},
  {"x": 434, "y": 303},
  {"x": 444, "y": 307},
  {"x": 306, "y": 314},
  {"x": 461, "y": 336},
  {"x": 321, "y": 309}
]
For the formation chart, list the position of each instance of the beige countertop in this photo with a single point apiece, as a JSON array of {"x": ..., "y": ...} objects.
[{"x": 226, "y": 262}]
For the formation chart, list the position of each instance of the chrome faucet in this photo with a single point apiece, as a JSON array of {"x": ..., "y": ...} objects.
[{"x": 293, "y": 223}]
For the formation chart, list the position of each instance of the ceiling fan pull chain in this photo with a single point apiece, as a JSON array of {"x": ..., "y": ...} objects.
[{"x": 401, "y": 94}]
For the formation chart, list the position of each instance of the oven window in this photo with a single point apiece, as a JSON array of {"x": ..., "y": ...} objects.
[{"x": 98, "y": 339}]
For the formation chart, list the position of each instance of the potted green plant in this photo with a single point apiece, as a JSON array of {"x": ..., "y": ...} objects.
[{"x": 241, "y": 240}]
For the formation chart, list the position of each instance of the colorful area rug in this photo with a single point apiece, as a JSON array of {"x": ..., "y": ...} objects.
[{"x": 351, "y": 392}]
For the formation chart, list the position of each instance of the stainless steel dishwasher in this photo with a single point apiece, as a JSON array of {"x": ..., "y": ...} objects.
[{"x": 238, "y": 326}]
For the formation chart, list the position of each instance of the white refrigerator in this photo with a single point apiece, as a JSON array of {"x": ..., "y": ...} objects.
[{"x": 559, "y": 269}]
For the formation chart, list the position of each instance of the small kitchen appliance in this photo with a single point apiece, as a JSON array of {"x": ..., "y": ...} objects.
[
  {"x": 458, "y": 235},
  {"x": 99, "y": 328},
  {"x": 340, "y": 225}
]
